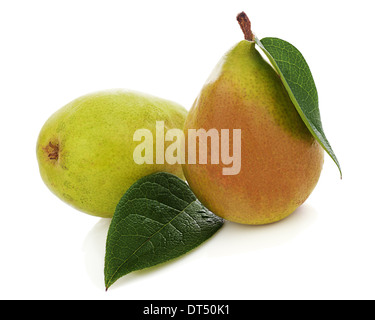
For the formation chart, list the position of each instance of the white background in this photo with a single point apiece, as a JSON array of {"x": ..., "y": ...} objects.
[{"x": 55, "y": 51}]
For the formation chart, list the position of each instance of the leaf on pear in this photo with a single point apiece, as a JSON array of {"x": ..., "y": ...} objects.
[
  {"x": 158, "y": 219},
  {"x": 298, "y": 81}
]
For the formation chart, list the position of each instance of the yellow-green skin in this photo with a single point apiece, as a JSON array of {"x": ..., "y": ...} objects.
[
  {"x": 281, "y": 160},
  {"x": 85, "y": 150}
]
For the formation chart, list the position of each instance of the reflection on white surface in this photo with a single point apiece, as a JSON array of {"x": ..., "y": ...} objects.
[
  {"x": 237, "y": 238},
  {"x": 94, "y": 250},
  {"x": 232, "y": 239}
]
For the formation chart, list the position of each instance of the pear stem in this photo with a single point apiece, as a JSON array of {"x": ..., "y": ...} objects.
[{"x": 245, "y": 25}]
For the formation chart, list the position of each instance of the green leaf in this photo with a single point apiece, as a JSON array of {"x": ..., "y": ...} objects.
[
  {"x": 158, "y": 219},
  {"x": 298, "y": 81}
]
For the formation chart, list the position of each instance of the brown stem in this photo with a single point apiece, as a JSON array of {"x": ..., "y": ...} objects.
[{"x": 245, "y": 25}]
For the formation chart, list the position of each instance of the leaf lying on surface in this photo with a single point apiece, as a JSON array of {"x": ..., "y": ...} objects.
[{"x": 158, "y": 219}]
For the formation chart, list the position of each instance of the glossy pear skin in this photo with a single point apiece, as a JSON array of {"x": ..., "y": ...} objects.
[
  {"x": 280, "y": 160},
  {"x": 85, "y": 150}
]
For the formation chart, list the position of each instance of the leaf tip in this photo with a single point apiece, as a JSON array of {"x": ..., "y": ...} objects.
[{"x": 337, "y": 164}]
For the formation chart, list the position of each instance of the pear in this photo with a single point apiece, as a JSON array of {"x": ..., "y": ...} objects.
[
  {"x": 280, "y": 160},
  {"x": 85, "y": 150}
]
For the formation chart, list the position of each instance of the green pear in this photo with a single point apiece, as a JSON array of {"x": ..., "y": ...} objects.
[
  {"x": 280, "y": 160},
  {"x": 85, "y": 150}
]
